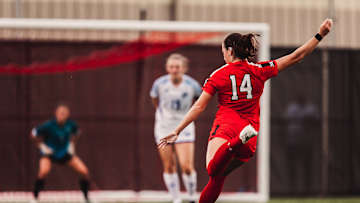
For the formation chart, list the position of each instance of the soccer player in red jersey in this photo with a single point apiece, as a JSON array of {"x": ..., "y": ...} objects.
[{"x": 239, "y": 85}]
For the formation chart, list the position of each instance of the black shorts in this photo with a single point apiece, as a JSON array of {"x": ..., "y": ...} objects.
[{"x": 63, "y": 160}]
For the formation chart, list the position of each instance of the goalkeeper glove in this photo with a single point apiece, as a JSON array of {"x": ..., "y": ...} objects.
[
  {"x": 45, "y": 149},
  {"x": 71, "y": 148}
]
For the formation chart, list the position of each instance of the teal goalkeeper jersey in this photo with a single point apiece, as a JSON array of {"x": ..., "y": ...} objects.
[{"x": 56, "y": 136}]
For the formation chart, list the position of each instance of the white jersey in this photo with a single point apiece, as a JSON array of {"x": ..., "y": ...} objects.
[{"x": 174, "y": 103}]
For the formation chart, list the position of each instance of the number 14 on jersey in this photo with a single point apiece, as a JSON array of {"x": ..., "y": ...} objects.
[{"x": 244, "y": 87}]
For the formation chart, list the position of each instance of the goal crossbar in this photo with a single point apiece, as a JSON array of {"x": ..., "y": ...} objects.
[{"x": 131, "y": 25}]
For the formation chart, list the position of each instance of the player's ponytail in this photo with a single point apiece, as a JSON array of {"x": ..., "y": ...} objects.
[{"x": 243, "y": 46}]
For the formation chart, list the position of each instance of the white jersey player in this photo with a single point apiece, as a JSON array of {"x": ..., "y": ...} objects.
[
  {"x": 174, "y": 103},
  {"x": 173, "y": 95}
]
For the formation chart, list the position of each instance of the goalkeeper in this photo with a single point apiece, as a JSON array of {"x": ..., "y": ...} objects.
[{"x": 56, "y": 140}]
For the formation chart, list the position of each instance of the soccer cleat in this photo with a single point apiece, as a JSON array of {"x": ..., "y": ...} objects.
[{"x": 247, "y": 133}]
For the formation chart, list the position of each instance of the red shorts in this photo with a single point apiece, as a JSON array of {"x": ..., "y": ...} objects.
[{"x": 227, "y": 125}]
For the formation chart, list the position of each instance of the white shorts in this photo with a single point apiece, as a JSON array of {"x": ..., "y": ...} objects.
[{"x": 187, "y": 135}]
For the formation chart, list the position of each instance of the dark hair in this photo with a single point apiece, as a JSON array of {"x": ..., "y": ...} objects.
[{"x": 243, "y": 46}]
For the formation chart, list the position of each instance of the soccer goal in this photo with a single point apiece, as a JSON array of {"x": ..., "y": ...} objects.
[{"x": 179, "y": 34}]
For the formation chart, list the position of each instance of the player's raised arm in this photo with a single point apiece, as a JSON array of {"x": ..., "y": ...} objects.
[
  {"x": 296, "y": 56},
  {"x": 194, "y": 112}
]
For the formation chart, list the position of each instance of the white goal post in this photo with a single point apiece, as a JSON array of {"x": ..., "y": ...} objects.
[{"x": 263, "y": 152}]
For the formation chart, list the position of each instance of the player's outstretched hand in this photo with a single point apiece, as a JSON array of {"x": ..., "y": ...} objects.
[
  {"x": 171, "y": 138},
  {"x": 325, "y": 27}
]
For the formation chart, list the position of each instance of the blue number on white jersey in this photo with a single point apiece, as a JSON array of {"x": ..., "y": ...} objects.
[{"x": 174, "y": 101}]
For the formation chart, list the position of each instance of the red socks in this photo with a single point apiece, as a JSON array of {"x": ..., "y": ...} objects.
[
  {"x": 212, "y": 190},
  {"x": 223, "y": 156},
  {"x": 216, "y": 169},
  {"x": 235, "y": 142}
]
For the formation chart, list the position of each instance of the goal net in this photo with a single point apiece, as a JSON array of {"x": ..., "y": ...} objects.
[{"x": 105, "y": 69}]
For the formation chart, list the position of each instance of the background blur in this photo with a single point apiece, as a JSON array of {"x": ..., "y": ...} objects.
[{"x": 315, "y": 118}]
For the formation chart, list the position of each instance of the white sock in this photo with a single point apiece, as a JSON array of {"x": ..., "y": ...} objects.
[
  {"x": 173, "y": 186},
  {"x": 190, "y": 184}
]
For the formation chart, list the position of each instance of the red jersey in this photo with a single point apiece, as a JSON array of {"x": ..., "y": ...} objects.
[{"x": 239, "y": 86}]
